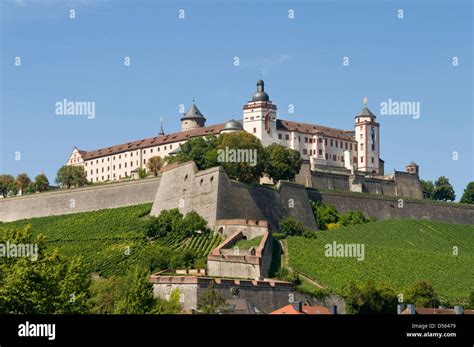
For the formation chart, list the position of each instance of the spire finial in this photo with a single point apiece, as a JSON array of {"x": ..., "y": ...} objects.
[
  {"x": 162, "y": 132},
  {"x": 194, "y": 99},
  {"x": 366, "y": 101}
]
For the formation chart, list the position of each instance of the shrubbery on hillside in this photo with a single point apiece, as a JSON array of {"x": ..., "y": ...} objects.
[
  {"x": 371, "y": 298},
  {"x": 328, "y": 218},
  {"x": 169, "y": 221},
  {"x": 292, "y": 227},
  {"x": 47, "y": 284}
]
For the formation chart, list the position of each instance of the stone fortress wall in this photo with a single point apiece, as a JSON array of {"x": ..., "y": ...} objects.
[
  {"x": 227, "y": 260},
  {"x": 213, "y": 195},
  {"x": 398, "y": 183},
  {"x": 385, "y": 207},
  {"x": 266, "y": 295},
  {"x": 77, "y": 200}
]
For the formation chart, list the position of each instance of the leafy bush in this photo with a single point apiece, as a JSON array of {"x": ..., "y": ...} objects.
[
  {"x": 310, "y": 234},
  {"x": 169, "y": 221},
  {"x": 422, "y": 294},
  {"x": 324, "y": 214},
  {"x": 164, "y": 223},
  {"x": 332, "y": 226},
  {"x": 285, "y": 275},
  {"x": 353, "y": 218},
  {"x": 370, "y": 298},
  {"x": 291, "y": 226},
  {"x": 328, "y": 218}
]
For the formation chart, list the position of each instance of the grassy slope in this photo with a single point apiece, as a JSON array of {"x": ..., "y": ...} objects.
[
  {"x": 247, "y": 244},
  {"x": 397, "y": 252},
  {"x": 111, "y": 241}
]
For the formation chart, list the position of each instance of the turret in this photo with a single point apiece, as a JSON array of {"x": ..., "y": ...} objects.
[
  {"x": 260, "y": 116},
  {"x": 192, "y": 119},
  {"x": 367, "y": 137}
]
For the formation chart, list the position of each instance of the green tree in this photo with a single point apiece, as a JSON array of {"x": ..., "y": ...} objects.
[
  {"x": 41, "y": 182},
  {"x": 154, "y": 165},
  {"x": 291, "y": 226},
  {"x": 172, "y": 306},
  {"x": 193, "y": 222},
  {"x": 44, "y": 284},
  {"x": 201, "y": 150},
  {"x": 184, "y": 259},
  {"x": 211, "y": 301},
  {"x": 12, "y": 189},
  {"x": 164, "y": 223},
  {"x": 71, "y": 176},
  {"x": 5, "y": 183},
  {"x": 281, "y": 163},
  {"x": 138, "y": 298},
  {"x": 31, "y": 189},
  {"x": 22, "y": 182},
  {"x": 142, "y": 173},
  {"x": 468, "y": 194},
  {"x": 248, "y": 168},
  {"x": 443, "y": 190},
  {"x": 105, "y": 293},
  {"x": 428, "y": 189},
  {"x": 324, "y": 214},
  {"x": 370, "y": 298},
  {"x": 422, "y": 294}
]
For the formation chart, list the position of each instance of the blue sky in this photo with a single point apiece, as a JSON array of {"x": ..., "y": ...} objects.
[{"x": 173, "y": 60}]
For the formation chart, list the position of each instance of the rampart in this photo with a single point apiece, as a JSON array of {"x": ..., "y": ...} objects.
[
  {"x": 254, "y": 263},
  {"x": 399, "y": 184},
  {"x": 267, "y": 295},
  {"x": 76, "y": 200},
  {"x": 386, "y": 207}
]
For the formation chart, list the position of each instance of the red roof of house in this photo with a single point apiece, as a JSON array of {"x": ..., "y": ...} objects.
[{"x": 291, "y": 309}]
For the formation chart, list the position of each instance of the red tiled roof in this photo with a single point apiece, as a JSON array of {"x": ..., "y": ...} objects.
[
  {"x": 314, "y": 129},
  {"x": 290, "y": 309},
  {"x": 209, "y": 130},
  {"x": 152, "y": 141}
]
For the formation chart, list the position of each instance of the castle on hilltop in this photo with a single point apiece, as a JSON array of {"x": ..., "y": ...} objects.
[{"x": 333, "y": 158}]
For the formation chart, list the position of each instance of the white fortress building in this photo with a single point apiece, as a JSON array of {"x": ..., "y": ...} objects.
[{"x": 357, "y": 150}]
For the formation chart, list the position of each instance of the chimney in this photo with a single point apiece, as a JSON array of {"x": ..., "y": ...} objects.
[
  {"x": 333, "y": 309},
  {"x": 458, "y": 309},
  {"x": 400, "y": 308},
  {"x": 299, "y": 306},
  {"x": 411, "y": 309}
]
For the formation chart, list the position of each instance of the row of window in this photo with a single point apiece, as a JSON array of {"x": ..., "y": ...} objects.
[
  {"x": 332, "y": 142},
  {"x": 119, "y": 166},
  {"x": 125, "y": 155}
]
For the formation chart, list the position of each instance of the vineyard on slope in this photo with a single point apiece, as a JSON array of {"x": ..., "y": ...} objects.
[
  {"x": 397, "y": 252},
  {"x": 111, "y": 241}
]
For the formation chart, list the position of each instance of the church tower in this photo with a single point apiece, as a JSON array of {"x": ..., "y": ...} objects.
[
  {"x": 260, "y": 116},
  {"x": 192, "y": 119},
  {"x": 367, "y": 137}
]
